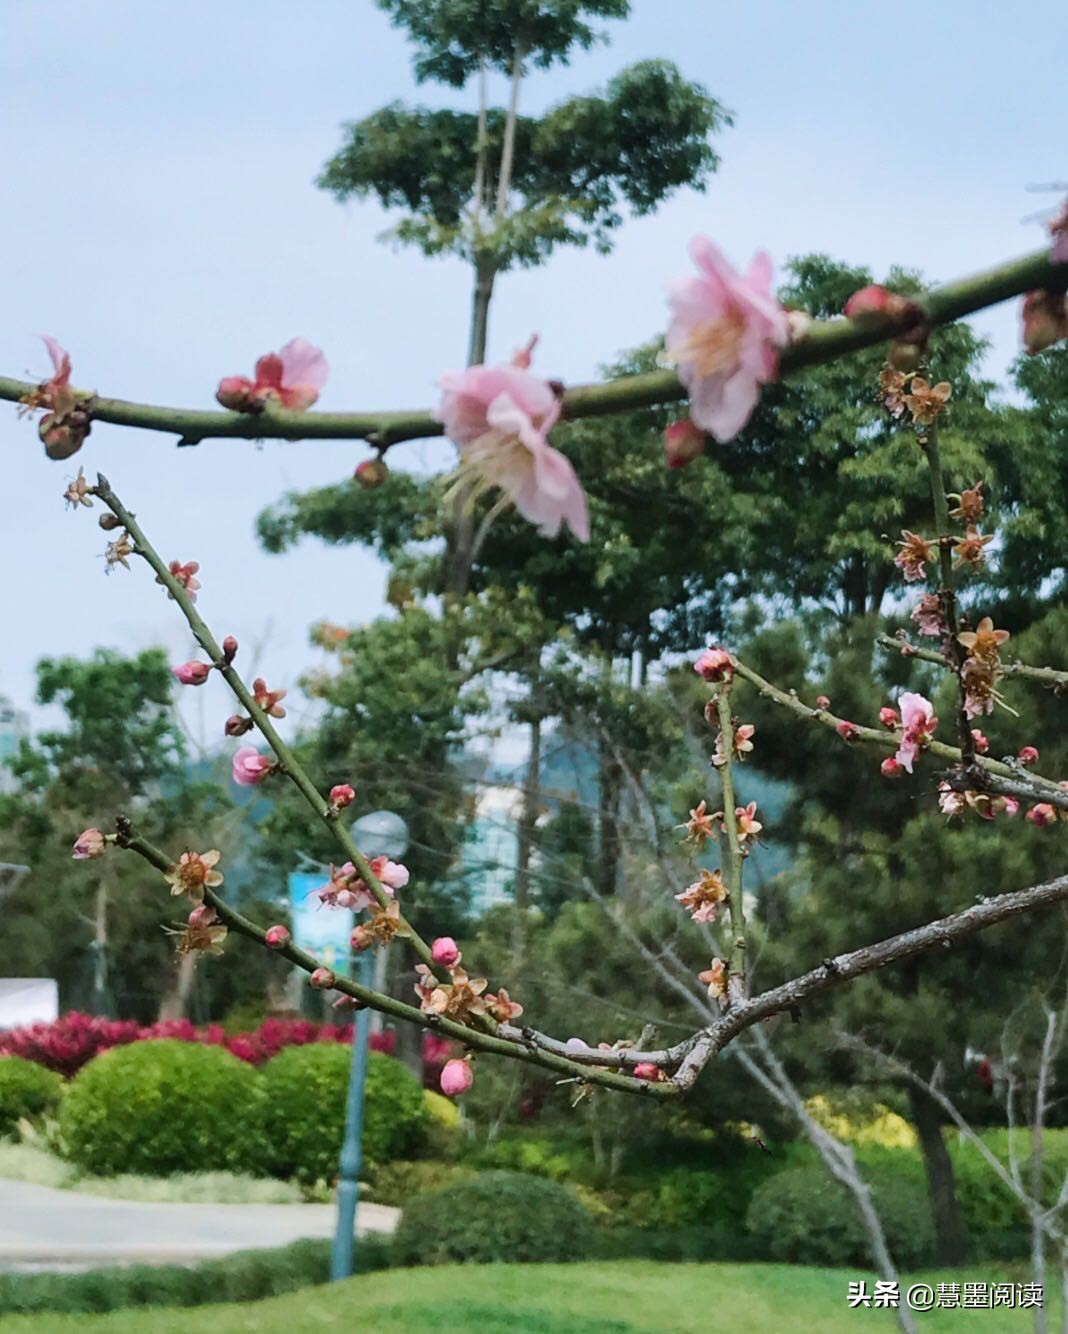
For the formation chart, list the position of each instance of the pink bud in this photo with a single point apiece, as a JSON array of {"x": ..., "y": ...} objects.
[
  {"x": 229, "y": 648},
  {"x": 1028, "y": 755},
  {"x": 982, "y": 745},
  {"x": 890, "y": 768},
  {"x": 647, "y": 1070},
  {"x": 192, "y": 673},
  {"x": 846, "y": 730},
  {"x": 1042, "y": 814},
  {"x": 888, "y": 717},
  {"x": 323, "y": 979},
  {"x": 1009, "y": 805},
  {"x": 250, "y": 767},
  {"x": 873, "y": 300},
  {"x": 456, "y": 1078},
  {"x": 277, "y": 936},
  {"x": 371, "y": 473},
  {"x": 715, "y": 664},
  {"x": 202, "y": 915},
  {"x": 236, "y": 725},
  {"x": 361, "y": 939},
  {"x": 89, "y": 843},
  {"x": 444, "y": 950},
  {"x": 822, "y": 702},
  {"x": 683, "y": 442},
  {"x": 342, "y": 795},
  {"x": 237, "y": 394}
]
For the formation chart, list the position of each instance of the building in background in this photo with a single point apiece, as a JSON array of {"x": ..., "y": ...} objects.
[{"x": 14, "y": 726}]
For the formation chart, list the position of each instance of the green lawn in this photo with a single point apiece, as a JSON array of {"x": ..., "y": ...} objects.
[{"x": 552, "y": 1299}]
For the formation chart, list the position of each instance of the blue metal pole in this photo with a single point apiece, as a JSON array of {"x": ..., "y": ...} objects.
[{"x": 348, "y": 1186}]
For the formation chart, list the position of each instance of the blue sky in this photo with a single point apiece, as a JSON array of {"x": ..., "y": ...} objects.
[{"x": 160, "y": 218}]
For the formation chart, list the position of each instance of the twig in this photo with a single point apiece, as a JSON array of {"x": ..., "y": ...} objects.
[{"x": 1050, "y": 676}]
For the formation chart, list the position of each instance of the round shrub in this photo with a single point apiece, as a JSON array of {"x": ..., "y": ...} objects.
[
  {"x": 164, "y": 1106},
  {"x": 802, "y": 1216},
  {"x": 27, "y": 1092},
  {"x": 496, "y": 1216},
  {"x": 305, "y": 1118}
]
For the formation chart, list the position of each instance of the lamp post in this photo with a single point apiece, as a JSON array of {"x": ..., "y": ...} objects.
[{"x": 379, "y": 834}]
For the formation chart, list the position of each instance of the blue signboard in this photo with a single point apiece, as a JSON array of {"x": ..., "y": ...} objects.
[{"x": 321, "y": 931}]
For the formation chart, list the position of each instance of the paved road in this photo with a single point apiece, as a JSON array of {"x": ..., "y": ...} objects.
[{"x": 40, "y": 1226}]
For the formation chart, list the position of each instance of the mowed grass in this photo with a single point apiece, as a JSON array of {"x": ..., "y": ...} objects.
[{"x": 617, "y": 1298}]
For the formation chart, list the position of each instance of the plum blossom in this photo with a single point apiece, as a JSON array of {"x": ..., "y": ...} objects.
[
  {"x": 342, "y": 795},
  {"x": 193, "y": 873},
  {"x": 846, "y": 730},
  {"x": 927, "y": 615},
  {"x": 913, "y": 557},
  {"x": 714, "y": 664},
  {"x": 250, "y": 767},
  {"x": 192, "y": 673},
  {"x": 1028, "y": 755},
  {"x": 980, "y": 742},
  {"x": 892, "y": 385},
  {"x": 970, "y": 504},
  {"x": 67, "y": 420},
  {"x": 702, "y": 899},
  {"x": 276, "y": 937},
  {"x": 891, "y": 768},
  {"x": 1041, "y": 815},
  {"x": 77, "y": 493},
  {"x": 823, "y": 702},
  {"x": 445, "y": 951},
  {"x": 456, "y": 1078},
  {"x": 392, "y": 875},
  {"x": 702, "y": 824},
  {"x": 725, "y": 333},
  {"x": 747, "y": 824},
  {"x": 889, "y": 717},
  {"x": 186, "y": 575},
  {"x": 89, "y": 843},
  {"x": 743, "y": 744},
  {"x": 502, "y": 1007},
  {"x": 203, "y": 932},
  {"x": 117, "y": 552},
  {"x": 950, "y": 802},
  {"x": 980, "y": 669},
  {"x": 683, "y": 442},
  {"x": 1045, "y": 319},
  {"x": 322, "y": 979},
  {"x": 499, "y": 417},
  {"x": 715, "y": 978},
  {"x": 291, "y": 378},
  {"x": 268, "y": 700},
  {"x": 649, "y": 1071},
  {"x": 969, "y": 548},
  {"x": 919, "y": 723},
  {"x": 452, "y": 1000},
  {"x": 926, "y": 402}
]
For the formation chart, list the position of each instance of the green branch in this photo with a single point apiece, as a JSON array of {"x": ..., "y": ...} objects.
[
  {"x": 734, "y": 862},
  {"x": 825, "y": 341},
  {"x": 1049, "y": 676}
]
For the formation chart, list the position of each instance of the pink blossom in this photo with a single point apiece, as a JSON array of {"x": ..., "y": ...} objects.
[
  {"x": 1028, "y": 755},
  {"x": 322, "y": 979},
  {"x": 456, "y": 1078},
  {"x": 89, "y": 843},
  {"x": 250, "y": 767},
  {"x": 202, "y": 915},
  {"x": 361, "y": 939},
  {"x": 724, "y": 337},
  {"x": 445, "y": 951},
  {"x": 982, "y": 745},
  {"x": 888, "y": 717},
  {"x": 891, "y": 768},
  {"x": 927, "y": 614},
  {"x": 683, "y": 442},
  {"x": 192, "y": 673},
  {"x": 276, "y": 936},
  {"x": 342, "y": 795},
  {"x": 950, "y": 803},
  {"x": 392, "y": 875},
  {"x": 292, "y": 377},
  {"x": 1041, "y": 815},
  {"x": 499, "y": 417},
  {"x": 919, "y": 722},
  {"x": 714, "y": 664},
  {"x": 56, "y": 393},
  {"x": 1009, "y": 805},
  {"x": 186, "y": 575},
  {"x": 822, "y": 702},
  {"x": 648, "y": 1070}
]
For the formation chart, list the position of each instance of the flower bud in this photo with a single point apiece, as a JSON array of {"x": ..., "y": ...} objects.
[
  {"x": 361, "y": 938},
  {"x": 445, "y": 951},
  {"x": 890, "y": 768},
  {"x": 905, "y": 357},
  {"x": 822, "y": 702},
  {"x": 89, "y": 843},
  {"x": 202, "y": 915},
  {"x": 192, "y": 673},
  {"x": 1028, "y": 755},
  {"x": 323, "y": 979},
  {"x": 277, "y": 936},
  {"x": 714, "y": 664},
  {"x": 982, "y": 745},
  {"x": 888, "y": 717},
  {"x": 236, "y": 725},
  {"x": 846, "y": 730},
  {"x": 371, "y": 473},
  {"x": 1041, "y": 815},
  {"x": 456, "y": 1078},
  {"x": 342, "y": 795},
  {"x": 683, "y": 442},
  {"x": 229, "y": 647},
  {"x": 109, "y": 522},
  {"x": 647, "y": 1070},
  {"x": 237, "y": 394},
  {"x": 63, "y": 438}
]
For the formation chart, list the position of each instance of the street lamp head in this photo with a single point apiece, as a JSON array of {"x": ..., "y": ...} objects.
[{"x": 381, "y": 834}]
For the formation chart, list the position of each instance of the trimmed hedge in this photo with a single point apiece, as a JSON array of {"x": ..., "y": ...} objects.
[
  {"x": 496, "y": 1216},
  {"x": 305, "y": 1089},
  {"x": 802, "y": 1216},
  {"x": 164, "y": 1106},
  {"x": 27, "y": 1092}
]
